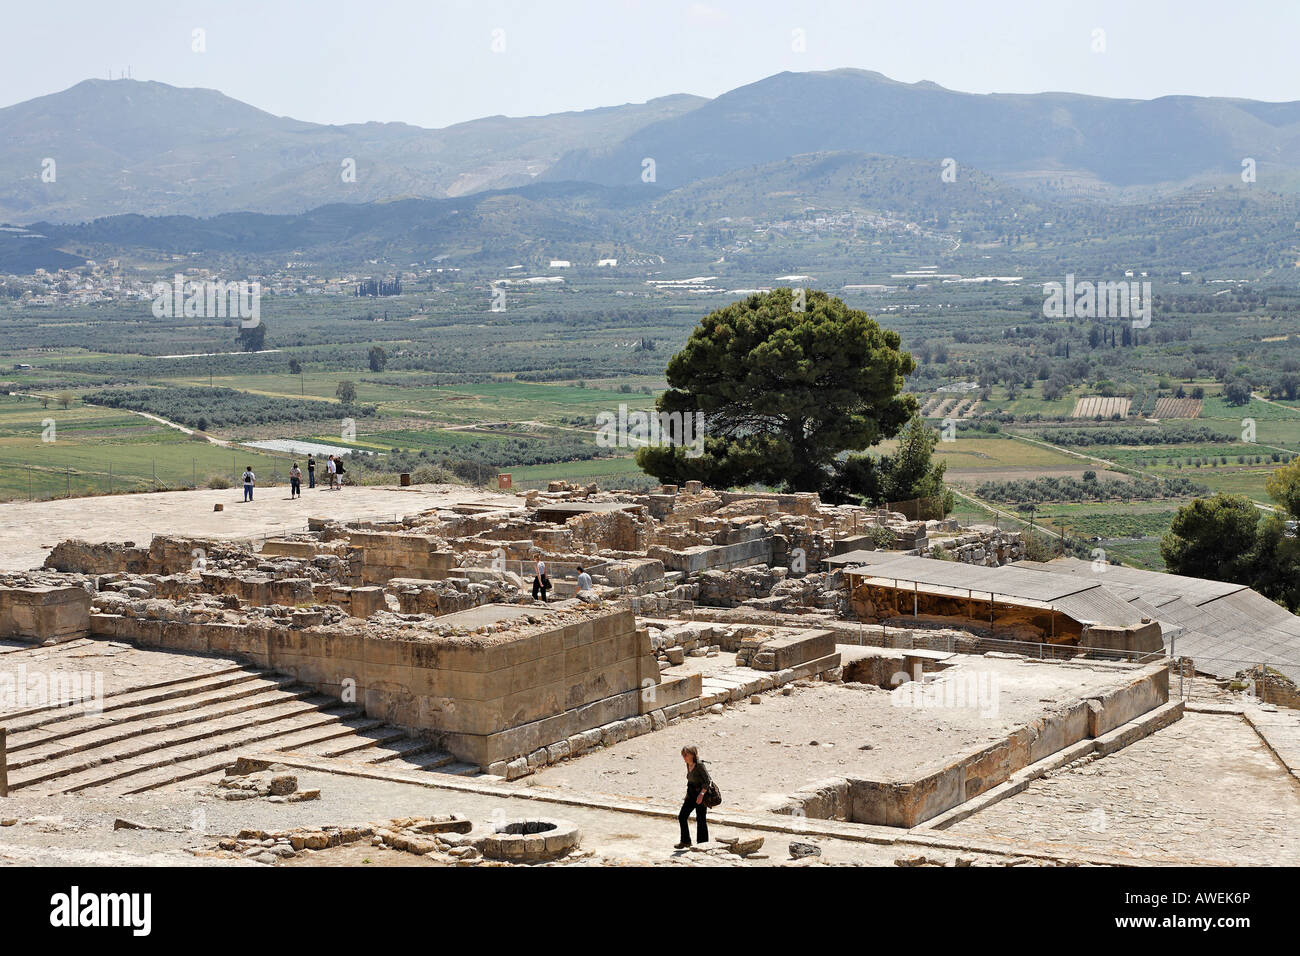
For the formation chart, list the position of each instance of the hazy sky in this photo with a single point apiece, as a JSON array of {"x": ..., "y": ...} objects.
[{"x": 432, "y": 62}]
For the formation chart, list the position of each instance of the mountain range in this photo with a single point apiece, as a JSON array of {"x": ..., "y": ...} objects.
[
  {"x": 1058, "y": 138},
  {"x": 128, "y": 146}
]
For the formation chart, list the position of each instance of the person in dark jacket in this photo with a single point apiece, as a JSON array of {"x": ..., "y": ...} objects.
[
  {"x": 697, "y": 783},
  {"x": 541, "y": 583}
]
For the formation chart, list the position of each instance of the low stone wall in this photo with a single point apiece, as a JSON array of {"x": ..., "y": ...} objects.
[
  {"x": 692, "y": 560},
  {"x": 937, "y": 788},
  {"x": 989, "y": 547},
  {"x": 259, "y": 589},
  {"x": 388, "y": 555},
  {"x": 454, "y": 593},
  {"x": 75, "y": 556},
  {"x": 784, "y": 650},
  {"x": 799, "y": 503},
  {"x": 358, "y": 602}
]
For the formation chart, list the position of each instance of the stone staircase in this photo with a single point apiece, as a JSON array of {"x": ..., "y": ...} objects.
[{"x": 158, "y": 734}]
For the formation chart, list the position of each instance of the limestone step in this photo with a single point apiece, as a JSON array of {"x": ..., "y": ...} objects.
[
  {"x": 401, "y": 750},
  {"x": 169, "y": 744},
  {"x": 214, "y": 764},
  {"x": 434, "y": 760},
  {"x": 47, "y": 716},
  {"x": 457, "y": 769},
  {"x": 360, "y": 743},
  {"x": 225, "y": 743},
  {"x": 248, "y": 692},
  {"x": 150, "y": 724}
]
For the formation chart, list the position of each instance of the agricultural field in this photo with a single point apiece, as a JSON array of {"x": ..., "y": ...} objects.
[
  {"x": 101, "y": 449},
  {"x": 1097, "y": 406},
  {"x": 508, "y": 401},
  {"x": 971, "y": 460},
  {"x": 1178, "y": 408},
  {"x": 609, "y": 473},
  {"x": 1238, "y": 481},
  {"x": 955, "y": 406},
  {"x": 1026, "y": 402},
  {"x": 51, "y": 452},
  {"x": 463, "y": 391},
  {"x": 1129, "y": 532}
]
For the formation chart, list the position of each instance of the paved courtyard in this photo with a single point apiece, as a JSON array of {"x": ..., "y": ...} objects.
[
  {"x": 29, "y": 530},
  {"x": 1205, "y": 788}
]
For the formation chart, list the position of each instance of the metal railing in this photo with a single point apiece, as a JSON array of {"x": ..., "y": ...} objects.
[
  {"x": 1189, "y": 668},
  {"x": 44, "y": 482},
  {"x": 555, "y": 570}
]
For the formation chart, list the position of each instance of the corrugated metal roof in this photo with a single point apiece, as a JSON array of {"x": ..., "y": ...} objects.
[
  {"x": 1225, "y": 628},
  {"x": 850, "y": 557},
  {"x": 1006, "y": 580},
  {"x": 1099, "y": 606},
  {"x": 1196, "y": 590},
  {"x": 1085, "y": 601}
]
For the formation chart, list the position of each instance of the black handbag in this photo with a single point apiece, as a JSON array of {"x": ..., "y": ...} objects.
[{"x": 712, "y": 795}]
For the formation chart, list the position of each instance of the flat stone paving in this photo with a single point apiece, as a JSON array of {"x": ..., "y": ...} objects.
[
  {"x": 29, "y": 530},
  {"x": 57, "y": 831},
  {"x": 1204, "y": 788},
  {"x": 760, "y": 753}
]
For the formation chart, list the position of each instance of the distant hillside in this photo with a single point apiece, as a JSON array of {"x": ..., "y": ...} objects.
[
  {"x": 841, "y": 181},
  {"x": 824, "y": 204},
  {"x": 126, "y": 146},
  {"x": 1046, "y": 137},
  {"x": 495, "y": 224}
]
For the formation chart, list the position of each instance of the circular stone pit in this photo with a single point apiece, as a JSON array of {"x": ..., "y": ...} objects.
[{"x": 535, "y": 840}]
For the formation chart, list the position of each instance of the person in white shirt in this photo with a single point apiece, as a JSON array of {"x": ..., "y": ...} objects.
[
  {"x": 333, "y": 473},
  {"x": 584, "y": 579},
  {"x": 250, "y": 480}
]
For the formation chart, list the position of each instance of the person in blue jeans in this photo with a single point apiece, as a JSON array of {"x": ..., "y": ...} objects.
[{"x": 250, "y": 480}]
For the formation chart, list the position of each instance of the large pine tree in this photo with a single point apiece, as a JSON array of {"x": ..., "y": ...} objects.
[{"x": 783, "y": 391}]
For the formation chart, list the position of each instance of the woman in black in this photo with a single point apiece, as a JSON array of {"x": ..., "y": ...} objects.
[{"x": 697, "y": 782}]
